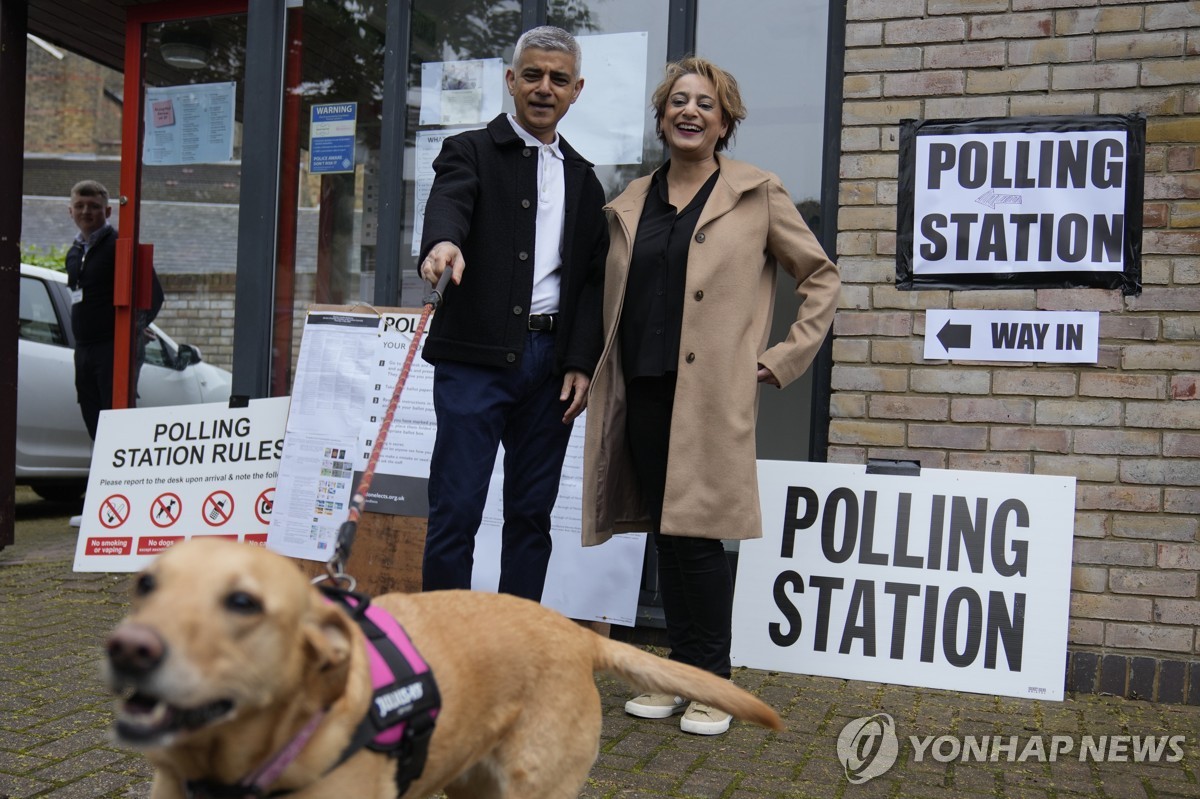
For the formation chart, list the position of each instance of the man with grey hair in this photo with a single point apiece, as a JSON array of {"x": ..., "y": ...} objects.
[{"x": 516, "y": 214}]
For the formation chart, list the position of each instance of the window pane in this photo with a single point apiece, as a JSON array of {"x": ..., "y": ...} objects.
[
  {"x": 776, "y": 50},
  {"x": 593, "y": 17}
]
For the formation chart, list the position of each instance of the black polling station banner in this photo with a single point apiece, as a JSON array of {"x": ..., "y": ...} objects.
[{"x": 1021, "y": 202}]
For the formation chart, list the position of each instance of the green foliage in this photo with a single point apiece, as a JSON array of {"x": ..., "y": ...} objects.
[{"x": 53, "y": 258}]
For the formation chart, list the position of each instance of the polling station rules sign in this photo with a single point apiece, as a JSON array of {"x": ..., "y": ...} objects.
[
  {"x": 950, "y": 579},
  {"x": 1024, "y": 202}
]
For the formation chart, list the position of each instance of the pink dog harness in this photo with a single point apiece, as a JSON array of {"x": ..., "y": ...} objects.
[
  {"x": 400, "y": 722},
  {"x": 406, "y": 701}
]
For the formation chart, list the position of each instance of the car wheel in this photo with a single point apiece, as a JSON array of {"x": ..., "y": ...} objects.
[{"x": 60, "y": 492}]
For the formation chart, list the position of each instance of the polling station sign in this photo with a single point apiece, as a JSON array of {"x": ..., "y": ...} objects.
[
  {"x": 162, "y": 475},
  {"x": 1022, "y": 202},
  {"x": 950, "y": 579}
]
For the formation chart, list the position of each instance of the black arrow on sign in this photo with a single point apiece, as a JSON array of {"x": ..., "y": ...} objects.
[{"x": 952, "y": 335}]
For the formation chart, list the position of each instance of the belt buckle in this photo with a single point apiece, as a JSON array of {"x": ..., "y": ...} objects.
[{"x": 541, "y": 323}]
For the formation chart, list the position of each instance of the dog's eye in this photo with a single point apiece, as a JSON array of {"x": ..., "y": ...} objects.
[
  {"x": 144, "y": 585},
  {"x": 242, "y": 602}
]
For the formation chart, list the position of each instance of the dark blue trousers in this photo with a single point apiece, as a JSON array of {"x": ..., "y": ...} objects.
[{"x": 479, "y": 407}]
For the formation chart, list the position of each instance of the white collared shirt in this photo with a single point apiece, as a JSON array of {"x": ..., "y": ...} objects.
[{"x": 551, "y": 209}]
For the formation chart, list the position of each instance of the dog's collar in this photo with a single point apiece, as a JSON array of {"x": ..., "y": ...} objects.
[{"x": 255, "y": 784}]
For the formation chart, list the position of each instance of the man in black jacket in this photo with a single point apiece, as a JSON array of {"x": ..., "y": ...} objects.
[
  {"x": 91, "y": 270},
  {"x": 517, "y": 215}
]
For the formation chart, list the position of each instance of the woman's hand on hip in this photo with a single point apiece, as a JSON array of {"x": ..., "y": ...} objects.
[{"x": 765, "y": 375}]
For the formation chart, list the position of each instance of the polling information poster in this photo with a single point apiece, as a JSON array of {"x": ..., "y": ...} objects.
[
  {"x": 190, "y": 124},
  {"x": 949, "y": 579},
  {"x": 1023, "y": 202},
  {"x": 163, "y": 475},
  {"x": 345, "y": 379}
]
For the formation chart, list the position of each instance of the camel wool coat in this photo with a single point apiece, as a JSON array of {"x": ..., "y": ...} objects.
[{"x": 748, "y": 227}]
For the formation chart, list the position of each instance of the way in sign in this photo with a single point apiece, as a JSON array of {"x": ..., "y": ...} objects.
[{"x": 1032, "y": 336}]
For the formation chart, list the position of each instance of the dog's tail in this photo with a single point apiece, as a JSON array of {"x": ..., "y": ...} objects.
[{"x": 652, "y": 673}]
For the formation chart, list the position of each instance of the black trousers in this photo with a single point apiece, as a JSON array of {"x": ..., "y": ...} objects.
[
  {"x": 694, "y": 578},
  {"x": 94, "y": 382}
]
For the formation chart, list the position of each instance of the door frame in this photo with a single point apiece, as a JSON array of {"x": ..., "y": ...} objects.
[{"x": 131, "y": 289}]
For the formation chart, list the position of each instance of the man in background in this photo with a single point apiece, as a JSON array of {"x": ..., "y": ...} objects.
[{"x": 91, "y": 270}]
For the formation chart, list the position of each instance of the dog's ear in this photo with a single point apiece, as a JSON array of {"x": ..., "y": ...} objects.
[{"x": 328, "y": 639}]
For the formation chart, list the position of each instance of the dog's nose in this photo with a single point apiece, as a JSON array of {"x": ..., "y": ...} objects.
[{"x": 135, "y": 650}]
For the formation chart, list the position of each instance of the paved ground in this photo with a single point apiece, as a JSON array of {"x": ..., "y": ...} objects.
[{"x": 54, "y": 716}]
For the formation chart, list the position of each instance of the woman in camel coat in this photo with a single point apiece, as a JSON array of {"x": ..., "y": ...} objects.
[{"x": 689, "y": 289}]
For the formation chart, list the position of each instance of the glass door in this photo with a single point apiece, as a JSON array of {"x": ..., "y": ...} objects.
[{"x": 180, "y": 186}]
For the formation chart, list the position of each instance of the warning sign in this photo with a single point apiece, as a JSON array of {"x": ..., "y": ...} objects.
[
  {"x": 264, "y": 505},
  {"x": 218, "y": 508},
  {"x": 162, "y": 475},
  {"x": 114, "y": 511},
  {"x": 165, "y": 509}
]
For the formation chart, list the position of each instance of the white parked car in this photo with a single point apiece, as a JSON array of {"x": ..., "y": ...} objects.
[{"x": 54, "y": 451}]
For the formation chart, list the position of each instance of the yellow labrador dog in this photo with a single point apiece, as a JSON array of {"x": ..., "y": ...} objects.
[{"x": 230, "y": 656}]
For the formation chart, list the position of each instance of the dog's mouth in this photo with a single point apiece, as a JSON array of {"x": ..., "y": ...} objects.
[{"x": 142, "y": 718}]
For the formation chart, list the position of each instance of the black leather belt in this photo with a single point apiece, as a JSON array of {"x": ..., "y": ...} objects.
[{"x": 543, "y": 322}]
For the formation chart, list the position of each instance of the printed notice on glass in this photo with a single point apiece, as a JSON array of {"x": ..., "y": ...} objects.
[
  {"x": 189, "y": 124},
  {"x": 331, "y": 138},
  {"x": 461, "y": 92},
  {"x": 429, "y": 144}
]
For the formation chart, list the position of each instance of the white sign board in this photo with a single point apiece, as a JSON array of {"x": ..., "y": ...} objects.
[
  {"x": 953, "y": 579},
  {"x": 1037, "y": 336},
  {"x": 162, "y": 475},
  {"x": 348, "y": 367},
  {"x": 1020, "y": 202}
]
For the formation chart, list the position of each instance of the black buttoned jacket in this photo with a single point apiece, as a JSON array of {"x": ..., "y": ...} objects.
[{"x": 484, "y": 200}]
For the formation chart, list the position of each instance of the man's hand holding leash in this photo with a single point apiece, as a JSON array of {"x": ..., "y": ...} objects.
[{"x": 443, "y": 256}]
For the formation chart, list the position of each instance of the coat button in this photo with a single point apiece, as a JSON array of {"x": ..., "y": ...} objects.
[
  {"x": 511, "y": 357},
  {"x": 691, "y": 356},
  {"x": 526, "y": 152},
  {"x": 524, "y": 203},
  {"x": 699, "y": 296},
  {"x": 699, "y": 238},
  {"x": 517, "y": 310},
  {"x": 524, "y": 256}
]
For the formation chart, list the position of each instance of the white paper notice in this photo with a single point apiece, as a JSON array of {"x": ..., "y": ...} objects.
[
  {"x": 429, "y": 144},
  {"x": 329, "y": 399},
  {"x": 605, "y": 124},
  {"x": 189, "y": 124},
  {"x": 337, "y": 353},
  {"x": 461, "y": 92}
]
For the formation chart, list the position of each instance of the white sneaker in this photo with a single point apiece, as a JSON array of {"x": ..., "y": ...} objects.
[
  {"x": 655, "y": 706},
  {"x": 704, "y": 720},
  {"x": 76, "y": 521}
]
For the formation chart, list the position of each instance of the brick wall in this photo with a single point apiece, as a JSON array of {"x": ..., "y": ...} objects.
[{"x": 1127, "y": 427}]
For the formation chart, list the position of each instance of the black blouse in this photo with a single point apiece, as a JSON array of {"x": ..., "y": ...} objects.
[{"x": 653, "y": 312}]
